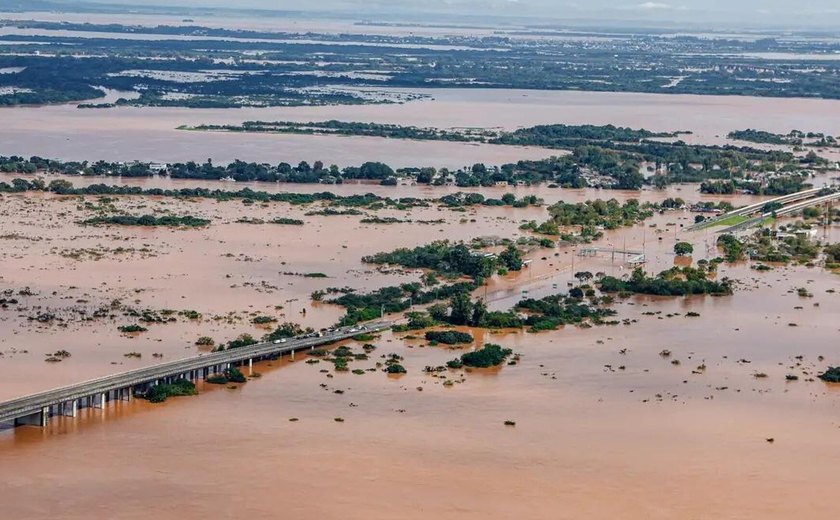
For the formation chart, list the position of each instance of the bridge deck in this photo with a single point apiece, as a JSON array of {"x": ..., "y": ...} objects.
[
  {"x": 756, "y": 207},
  {"x": 793, "y": 208},
  {"x": 35, "y": 403}
]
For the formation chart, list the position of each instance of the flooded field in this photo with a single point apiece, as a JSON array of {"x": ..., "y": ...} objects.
[
  {"x": 684, "y": 408},
  {"x": 605, "y": 425},
  {"x": 151, "y": 134}
]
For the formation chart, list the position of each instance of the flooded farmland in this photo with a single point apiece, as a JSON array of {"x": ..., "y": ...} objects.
[
  {"x": 676, "y": 407},
  {"x": 681, "y": 428}
]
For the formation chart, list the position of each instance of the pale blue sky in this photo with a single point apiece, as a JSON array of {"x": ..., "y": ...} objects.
[{"x": 731, "y": 12}]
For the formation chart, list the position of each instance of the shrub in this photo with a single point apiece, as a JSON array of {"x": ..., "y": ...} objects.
[
  {"x": 287, "y": 330},
  {"x": 235, "y": 376},
  {"x": 832, "y": 375},
  {"x": 180, "y": 387},
  {"x": 489, "y": 356},
  {"x": 127, "y": 329},
  {"x": 242, "y": 341},
  {"x": 455, "y": 363},
  {"x": 449, "y": 337}
]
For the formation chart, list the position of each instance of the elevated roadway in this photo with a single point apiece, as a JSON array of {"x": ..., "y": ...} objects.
[
  {"x": 36, "y": 409},
  {"x": 757, "y": 207},
  {"x": 786, "y": 210}
]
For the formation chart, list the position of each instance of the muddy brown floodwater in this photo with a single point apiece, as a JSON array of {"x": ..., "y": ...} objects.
[
  {"x": 605, "y": 426},
  {"x": 125, "y": 133}
]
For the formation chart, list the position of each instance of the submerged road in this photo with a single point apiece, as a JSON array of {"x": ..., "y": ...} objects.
[{"x": 36, "y": 409}]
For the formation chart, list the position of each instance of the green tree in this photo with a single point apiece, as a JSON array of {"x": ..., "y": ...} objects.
[
  {"x": 832, "y": 253},
  {"x": 287, "y": 330},
  {"x": 683, "y": 248},
  {"x": 60, "y": 186},
  {"x": 438, "y": 312},
  {"x": 461, "y": 309},
  {"x": 511, "y": 258},
  {"x": 479, "y": 313}
]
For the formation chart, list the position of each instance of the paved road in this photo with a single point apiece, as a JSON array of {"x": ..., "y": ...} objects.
[
  {"x": 787, "y": 210},
  {"x": 34, "y": 403},
  {"x": 754, "y": 208}
]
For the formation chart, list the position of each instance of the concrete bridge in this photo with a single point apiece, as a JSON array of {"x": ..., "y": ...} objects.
[
  {"x": 758, "y": 206},
  {"x": 36, "y": 409},
  {"x": 786, "y": 210}
]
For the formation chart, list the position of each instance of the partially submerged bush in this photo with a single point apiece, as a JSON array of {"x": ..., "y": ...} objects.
[
  {"x": 449, "y": 337},
  {"x": 180, "y": 387},
  {"x": 832, "y": 375},
  {"x": 491, "y": 355},
  {"x": 396, "y": 369},
  {"x": 230, "y": 375},
  {"x": 127, "y": 329}
]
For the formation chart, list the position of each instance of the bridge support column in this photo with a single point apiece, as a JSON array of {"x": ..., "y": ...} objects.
[
  {"x": 99, "y": 400},
  {"x": 41, "y": 418},
  {"x": 292, "y": 355},
  {"x": 251, "y": 366},
  {"x": 70, "y": 408}
]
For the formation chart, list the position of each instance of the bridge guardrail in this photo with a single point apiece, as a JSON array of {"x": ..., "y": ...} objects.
[{"x": 35, "y": 402}]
